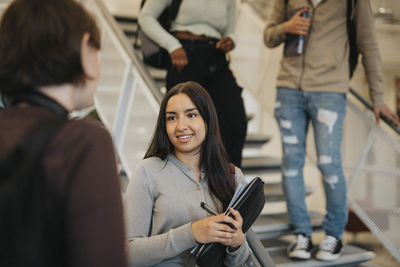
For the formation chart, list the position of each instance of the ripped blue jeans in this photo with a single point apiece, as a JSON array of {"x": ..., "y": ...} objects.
[{"x": 326, "y": 111}]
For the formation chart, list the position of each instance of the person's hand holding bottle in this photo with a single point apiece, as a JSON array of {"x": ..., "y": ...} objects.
[{"x": 298, "y": 24}]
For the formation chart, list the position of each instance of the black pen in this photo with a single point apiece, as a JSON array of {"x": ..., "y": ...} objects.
[{"x": 207, "y": 208}]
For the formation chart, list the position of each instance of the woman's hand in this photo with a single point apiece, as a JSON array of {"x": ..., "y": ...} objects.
[
  {"x": 297, "y": 24},
  {"x": 238, "y": 222},
  {"x": 214, "y": 229},
  {"x": 225, "y": 44},
  {"x": 179, "y": 58}
]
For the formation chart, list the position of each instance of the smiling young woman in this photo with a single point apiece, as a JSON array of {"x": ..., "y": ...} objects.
[{"x": 185, "y": 164}]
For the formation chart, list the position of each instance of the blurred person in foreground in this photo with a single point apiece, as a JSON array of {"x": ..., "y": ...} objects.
[{"x": 66, "y": 210}]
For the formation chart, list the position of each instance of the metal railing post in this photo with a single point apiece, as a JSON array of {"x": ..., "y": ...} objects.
[{"x": 124, "y": 107}]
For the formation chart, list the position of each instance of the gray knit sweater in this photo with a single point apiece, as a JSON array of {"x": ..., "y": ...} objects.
[{"x": 162, "y": 200}]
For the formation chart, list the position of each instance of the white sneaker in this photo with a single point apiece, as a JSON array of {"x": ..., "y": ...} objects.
[
  {"x": 301, "y": 248},
  {"x": 330, "y": 249}
]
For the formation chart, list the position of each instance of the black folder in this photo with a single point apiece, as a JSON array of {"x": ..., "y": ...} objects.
[{"x": 249, "y": 203}]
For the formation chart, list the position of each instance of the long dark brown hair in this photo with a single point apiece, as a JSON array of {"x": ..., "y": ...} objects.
[{"x": 213, "y": 158}]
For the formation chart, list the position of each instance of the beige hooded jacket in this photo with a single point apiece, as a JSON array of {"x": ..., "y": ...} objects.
[{"x": 324, "y": 65}]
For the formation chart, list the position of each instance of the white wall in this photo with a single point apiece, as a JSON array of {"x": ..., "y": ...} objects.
[
  {"x": 129, "y": 8},
  {"x": 394, "y": 5}
]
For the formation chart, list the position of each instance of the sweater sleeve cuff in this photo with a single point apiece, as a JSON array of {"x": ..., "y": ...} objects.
[
  {"x": 239, "y": 256},
  {"x": 280, "y": 33},
  {"x": 233, "y": 38},
  {"x": 183, "y": 236},
  {"x": 173, "y": 47},
  {"x": 377, "y": 99}
]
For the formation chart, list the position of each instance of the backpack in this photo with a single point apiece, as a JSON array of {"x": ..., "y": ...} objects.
[
  {"x": 153, "y": 54},
  {"x": 32, "y": 225},
  {"x": 351, "y": 34}
]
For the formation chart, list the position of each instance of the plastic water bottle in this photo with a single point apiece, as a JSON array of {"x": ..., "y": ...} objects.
[{"x": 300, "y": 44}]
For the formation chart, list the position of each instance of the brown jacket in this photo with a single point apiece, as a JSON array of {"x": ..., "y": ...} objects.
[
  {"x": 324, "y": 65},
  {"x": 80, "y": 169}
]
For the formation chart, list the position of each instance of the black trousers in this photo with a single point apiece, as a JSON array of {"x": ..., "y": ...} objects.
[{"x": 208, "y": 66}]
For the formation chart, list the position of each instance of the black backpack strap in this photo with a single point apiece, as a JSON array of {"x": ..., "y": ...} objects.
[
  {"x": 173, "y": 12},
  {"x": 286, "y": 7},
  {"x": 32, "y": 219},
  {"x": 37, "y": 98},
  {"x": 352, "y": 36},
  {"x": 33, "y": 222}
]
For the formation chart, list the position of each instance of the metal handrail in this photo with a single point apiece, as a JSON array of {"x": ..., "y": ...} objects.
[
  {"x": 368, "y": 105},
  {"x": 258, "y": 249},
  {"x": 142, "y": 69}
]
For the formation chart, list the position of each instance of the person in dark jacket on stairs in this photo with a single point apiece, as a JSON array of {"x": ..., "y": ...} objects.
[{"x": 201, "y": 38}]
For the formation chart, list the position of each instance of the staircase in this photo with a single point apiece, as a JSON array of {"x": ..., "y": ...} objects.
[{"x": 127, "y": 102}]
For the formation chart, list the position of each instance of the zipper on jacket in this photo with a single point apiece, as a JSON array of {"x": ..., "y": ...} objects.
[{"x": 306, "y": 42}]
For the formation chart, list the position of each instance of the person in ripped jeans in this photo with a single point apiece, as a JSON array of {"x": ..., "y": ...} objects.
[{"x": 312, "y": 86}]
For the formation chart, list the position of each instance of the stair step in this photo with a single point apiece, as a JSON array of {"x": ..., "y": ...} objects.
[
  {"x": 130, "y": 30},
  {"x": 128, "y": 25},
  {"x": 157, "y": 74},
  {"x": 274, "y": 225},
  {"x": 256, "y": 140},
  {"x": 257, "y": 164},
  {"x": 131, "y": 34},
  {"x": 274, "y": 192},
  {"x": 268, "y": 178},
  {"x": 125, "y": 19},
  {"x": 351, "y": 256},
  {"x": 368, "y": 264}
]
